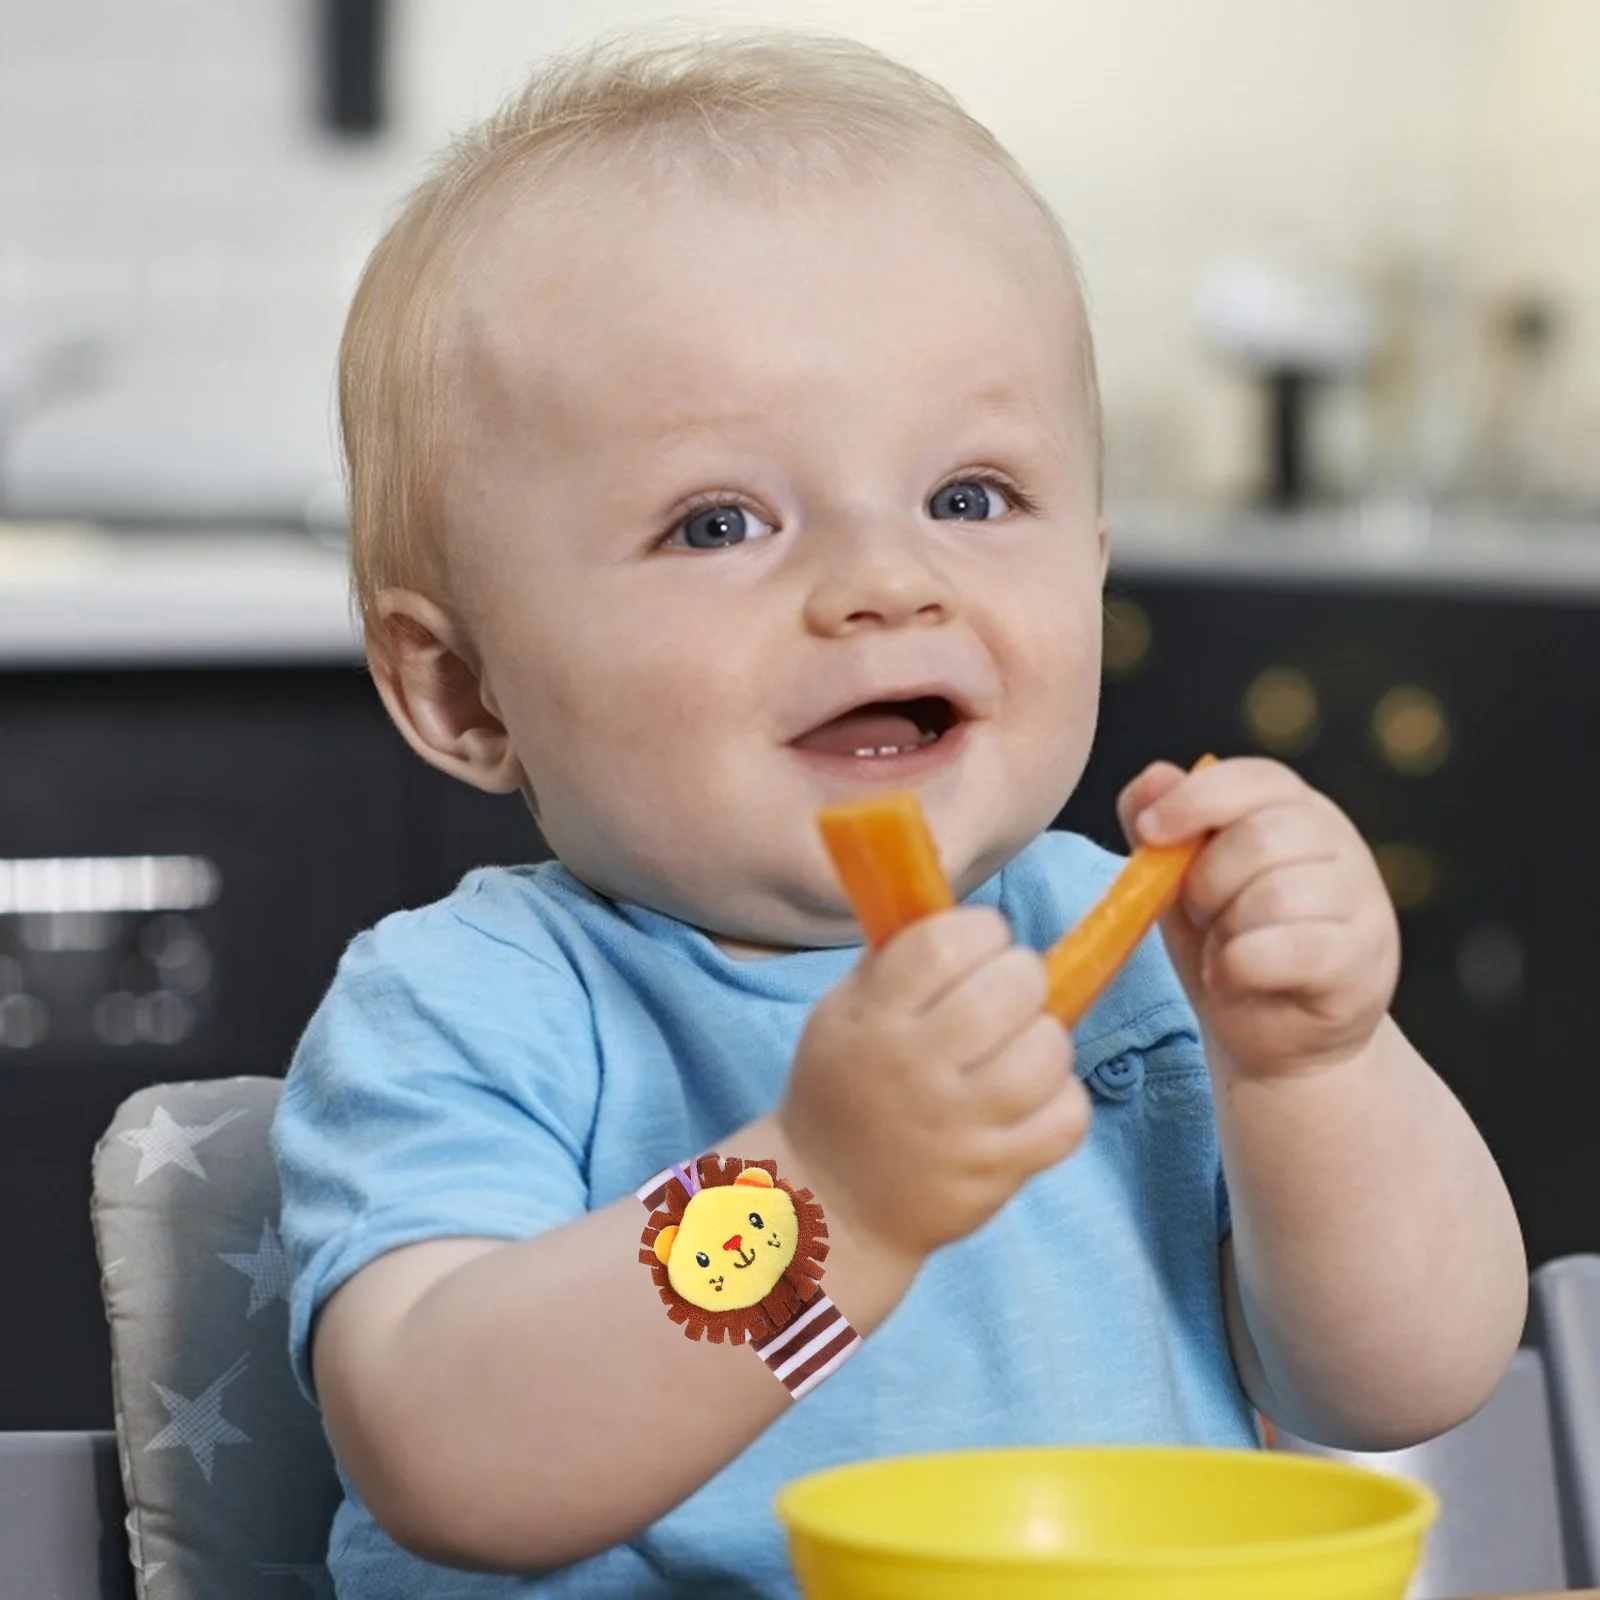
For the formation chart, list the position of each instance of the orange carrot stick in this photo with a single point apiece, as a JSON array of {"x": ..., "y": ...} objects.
[
  {"x": 885, "y": 858},
  {"x": 1083, "y": 961}
]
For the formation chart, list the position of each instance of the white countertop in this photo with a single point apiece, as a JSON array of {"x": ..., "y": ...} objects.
[
  {"x": 75, "y": 595},
  {"x": 1400, "y": 546},
  {"x": 78, "y": 595}
]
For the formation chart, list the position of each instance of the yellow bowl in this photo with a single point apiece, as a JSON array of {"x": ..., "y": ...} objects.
[{"x": 1097, "y": 1523}]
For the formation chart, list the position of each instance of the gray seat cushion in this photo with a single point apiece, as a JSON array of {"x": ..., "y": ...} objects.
[{"x": 228, "y": 1476}]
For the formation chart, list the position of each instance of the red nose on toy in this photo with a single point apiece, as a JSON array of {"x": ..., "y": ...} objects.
[{"x": 733, "y": 1243}]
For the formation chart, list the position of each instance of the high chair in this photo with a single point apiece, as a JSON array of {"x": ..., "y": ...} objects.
[
  {"x": 231, "y": 1483},
  {"x": 228, "y": 1477},
  {"x": 1565, "y": 1323},
  {"x": 1501, "y": 1529}
]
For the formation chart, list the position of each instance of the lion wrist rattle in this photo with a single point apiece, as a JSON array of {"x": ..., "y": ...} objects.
[{"x": 736, "y": 1254}]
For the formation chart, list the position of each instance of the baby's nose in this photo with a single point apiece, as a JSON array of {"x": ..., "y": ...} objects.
[{"x": 733, "y": 1243}]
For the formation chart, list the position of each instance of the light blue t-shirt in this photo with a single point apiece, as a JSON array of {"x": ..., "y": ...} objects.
[{"x": 524, "y": 1050}]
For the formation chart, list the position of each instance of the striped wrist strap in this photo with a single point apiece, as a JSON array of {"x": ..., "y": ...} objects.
[{"x": 804, "y": 1352}]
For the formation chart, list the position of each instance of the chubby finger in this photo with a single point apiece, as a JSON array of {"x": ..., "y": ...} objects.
[
  {"x": 925, "y": 961},
  {"x": 1303, "y": 958},
  {"x": 1264, "y": 841},
  {"x": 1318, "y": 890},
  {"x": 987, "y": 1008},
  {"x": 1047, "y": 1135},
  {"x": 1025, "y": 1075},
  {"x": 1156, "y": 780},
  {"x": 1215, "y": 797}
]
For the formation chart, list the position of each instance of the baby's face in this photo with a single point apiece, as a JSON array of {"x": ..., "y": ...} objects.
[{"x": 760, "y": 504}]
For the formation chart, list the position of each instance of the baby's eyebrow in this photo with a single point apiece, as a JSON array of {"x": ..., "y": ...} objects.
[
  {"x": 691, "y": 425},
  {"x": 1005, "y": 400},
  {"x": 1000, "y": 396},
  {"x": 1013, "y": 407}
]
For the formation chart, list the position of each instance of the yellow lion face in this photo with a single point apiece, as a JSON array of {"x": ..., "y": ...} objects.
[{"x": 733, "y": 1243}]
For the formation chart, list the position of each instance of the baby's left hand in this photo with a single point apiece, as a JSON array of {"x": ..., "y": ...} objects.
[{"x": 1284, "y": 937}]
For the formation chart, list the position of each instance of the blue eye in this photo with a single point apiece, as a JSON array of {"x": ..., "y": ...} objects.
[
  {"x": 756, "y": 1222},
  {"x": 968, "y": 500},
  {"x": 718, "y": 528},
  {"x": 702, "y": 1258}
]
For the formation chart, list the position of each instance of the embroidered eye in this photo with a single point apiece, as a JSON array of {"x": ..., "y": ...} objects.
[
  {"x": 756, "y": 1222},
  {"x": 969, "y": 500},
  {"x": 702, "y": 1258},
  {"x": 718, "y": 527}
]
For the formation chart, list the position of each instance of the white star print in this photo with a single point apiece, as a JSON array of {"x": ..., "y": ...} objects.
[
  {"x": 163, "y": 1142},
  {"x": 315, "y": 1578},
  {"x": 198, "y": 1425},
  {"x": 267, "y": 1269}
]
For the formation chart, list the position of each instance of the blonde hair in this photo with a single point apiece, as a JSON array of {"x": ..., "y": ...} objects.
[{"x": 778, "y": 106}]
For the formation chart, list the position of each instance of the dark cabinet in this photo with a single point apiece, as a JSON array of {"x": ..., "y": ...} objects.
[
  {"x": 1462, "y": 734},
  {"x": 215, "y": 838},
  {"x": 183, "y": 856}
]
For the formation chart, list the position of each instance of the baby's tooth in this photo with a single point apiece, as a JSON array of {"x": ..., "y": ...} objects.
[{"x": 868, "y": 751}]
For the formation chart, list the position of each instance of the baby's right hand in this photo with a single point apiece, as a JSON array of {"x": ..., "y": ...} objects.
[{"x": 930, "y": 1084}]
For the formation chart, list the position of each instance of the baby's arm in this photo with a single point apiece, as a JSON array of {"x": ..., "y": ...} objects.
[
  {"x": 518, "y": 1405},
  {"x": 1375, "y": 1281},
  {"x": 521, "y": 1405}
]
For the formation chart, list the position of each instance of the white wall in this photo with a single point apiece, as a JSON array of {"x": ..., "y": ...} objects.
[
  {"x": 1167, "y": 134},
  {"x": 1536, "y": 224},
  {"x": 163, "y": 194},
  {"x": 160, "y": 180}
]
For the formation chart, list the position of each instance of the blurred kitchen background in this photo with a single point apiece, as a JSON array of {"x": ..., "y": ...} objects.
[{"x": 1344, "y": 269}]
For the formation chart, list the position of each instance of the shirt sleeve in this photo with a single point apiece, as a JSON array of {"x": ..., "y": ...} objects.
[{"x": 445, "y": 1087}]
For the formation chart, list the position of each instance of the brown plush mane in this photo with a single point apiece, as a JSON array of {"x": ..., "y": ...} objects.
[{"x": 789, "y": 1294}]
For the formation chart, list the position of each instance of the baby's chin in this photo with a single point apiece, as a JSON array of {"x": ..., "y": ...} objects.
[
  {"x": 749, "y": 921},
  {"x": 816, "y": 923},
  {"x": 742, "y": 950},
  {"x": 783, "y": 930},
  {"x": 760, "y": 949},
  {"x": 760, "y": 913}
]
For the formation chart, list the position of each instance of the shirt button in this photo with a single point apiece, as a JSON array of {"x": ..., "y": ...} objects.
[{"x": 1117, "y": 1079}]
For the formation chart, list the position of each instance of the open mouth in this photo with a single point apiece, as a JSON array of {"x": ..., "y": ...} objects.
[{"x": 884, "y": 729}]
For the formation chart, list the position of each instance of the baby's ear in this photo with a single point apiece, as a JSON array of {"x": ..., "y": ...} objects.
[
  {"x": 664, "y": 1243},
  {"x": 434, "y": 692}
]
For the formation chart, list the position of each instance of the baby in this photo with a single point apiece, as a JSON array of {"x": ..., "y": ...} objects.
[{"x": 724, "y": 443}]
